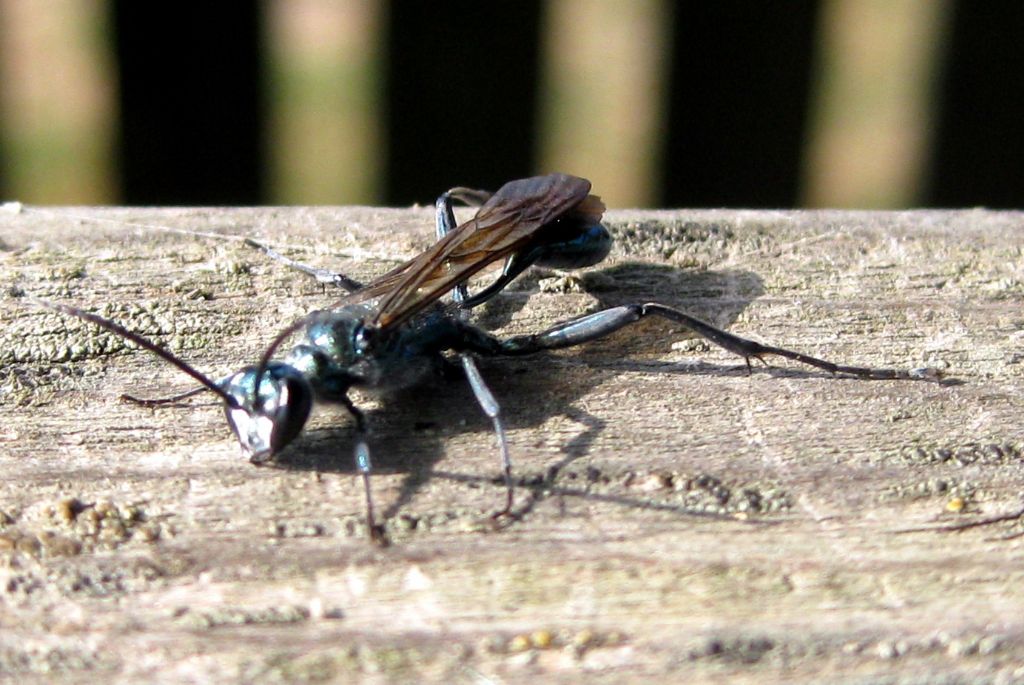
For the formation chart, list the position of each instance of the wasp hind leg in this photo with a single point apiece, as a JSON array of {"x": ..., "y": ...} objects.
[{"x": 603, "y": 323}]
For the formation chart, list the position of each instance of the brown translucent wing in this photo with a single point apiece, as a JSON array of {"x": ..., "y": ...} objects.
[{"x": 502, "y": 226}]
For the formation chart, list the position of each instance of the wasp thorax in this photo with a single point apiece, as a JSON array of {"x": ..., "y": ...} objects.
[
  {"x": 339, "y": 336},
  {"x": 267, "y": 420}
]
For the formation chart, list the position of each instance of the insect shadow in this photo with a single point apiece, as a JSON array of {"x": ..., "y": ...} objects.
[{"x": 413, "y": 425}]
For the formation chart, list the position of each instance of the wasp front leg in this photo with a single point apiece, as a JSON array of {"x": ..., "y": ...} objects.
[{"x": 324, "y": 276}]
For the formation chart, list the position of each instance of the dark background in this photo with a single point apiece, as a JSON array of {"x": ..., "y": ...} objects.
[{"x": 460, "y": 93}]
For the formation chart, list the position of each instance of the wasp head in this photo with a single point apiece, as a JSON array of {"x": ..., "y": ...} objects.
[{"x": 266, "y": 419}]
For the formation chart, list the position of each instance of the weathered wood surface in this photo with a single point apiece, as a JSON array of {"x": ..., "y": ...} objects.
[{"x": 683, "y": 520}]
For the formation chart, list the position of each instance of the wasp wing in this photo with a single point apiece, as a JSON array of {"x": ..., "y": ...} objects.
[{"x": 502, "y": 226}]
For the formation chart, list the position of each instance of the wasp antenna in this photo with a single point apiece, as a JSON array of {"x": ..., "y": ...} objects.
[
  {"x": 130, "y": 224},
  {"x": 120, "y": 330}
]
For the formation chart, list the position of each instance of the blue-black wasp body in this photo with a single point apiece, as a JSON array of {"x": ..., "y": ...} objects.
[{"x": 393, "y": 331}]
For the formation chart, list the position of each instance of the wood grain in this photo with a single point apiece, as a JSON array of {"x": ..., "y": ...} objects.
[{"x": 681, "y": 518}]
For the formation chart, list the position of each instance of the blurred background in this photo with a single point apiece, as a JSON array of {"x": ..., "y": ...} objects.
[{"x": 731, "y": 103}]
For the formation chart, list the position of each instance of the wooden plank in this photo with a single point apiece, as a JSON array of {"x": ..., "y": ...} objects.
[{"x": 681, "y": 517}]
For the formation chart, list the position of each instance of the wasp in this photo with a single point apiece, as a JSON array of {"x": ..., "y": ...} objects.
[{"x": 390, "y": 333}]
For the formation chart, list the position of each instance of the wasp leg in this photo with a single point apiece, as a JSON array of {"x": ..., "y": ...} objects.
[
  {"x": 378, "y": 534},
  {"x": 586, "y": 246},
  {"x": 445, "y": 223},
  {"x": 321, "y": 275},
  {"x": 585, "y": 249},
  {"x": 493, "y": 411},
  {"x": 606, "y": 322},
  {"x": 467, "y": 196}
]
